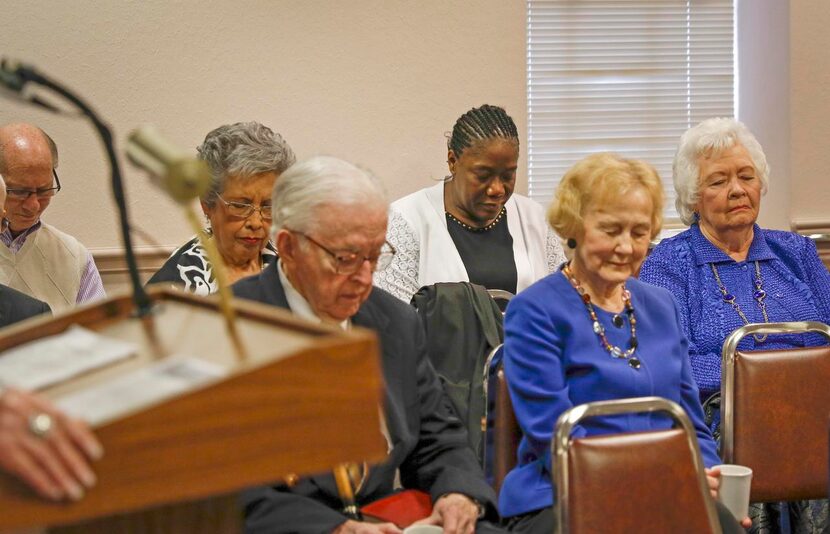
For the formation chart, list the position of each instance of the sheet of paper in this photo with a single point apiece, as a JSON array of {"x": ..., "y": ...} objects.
[
  {"x": 140, "y": 389},
  {"x": 53, "y": 359}
]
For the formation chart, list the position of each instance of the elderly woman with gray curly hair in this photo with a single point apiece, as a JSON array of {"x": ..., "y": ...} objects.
[
  {"x": 245, "y": 160},
  {"x": 725, "y": 271}
]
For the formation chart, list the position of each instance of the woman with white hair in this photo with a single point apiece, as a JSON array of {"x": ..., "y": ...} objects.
[
  {"x": 245, "y": 160},
  {"x": 725, "y": 271}
]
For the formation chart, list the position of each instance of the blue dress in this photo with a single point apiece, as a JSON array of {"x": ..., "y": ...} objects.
[
  {"x": 553, "y": 360},
  {"x": 796, "y": 282}
]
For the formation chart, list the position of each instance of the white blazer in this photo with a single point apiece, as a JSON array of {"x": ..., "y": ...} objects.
[{"x": 427, "y": 253}]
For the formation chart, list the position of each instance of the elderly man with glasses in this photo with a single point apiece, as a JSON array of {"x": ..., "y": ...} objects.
[
  {"x": 14, "y": 305},
  {"x": 37, "y": 258},
  {"x": 329, "y": 227}
]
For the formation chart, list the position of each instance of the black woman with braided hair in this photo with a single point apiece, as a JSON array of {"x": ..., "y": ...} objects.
[{"x": 472, "y": 227}]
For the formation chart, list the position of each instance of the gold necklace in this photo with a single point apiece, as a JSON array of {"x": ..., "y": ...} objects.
[{"x": 487, "y": 228}]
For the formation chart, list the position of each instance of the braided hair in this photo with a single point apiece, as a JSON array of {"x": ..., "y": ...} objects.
[{"x": 478, "y": 124}]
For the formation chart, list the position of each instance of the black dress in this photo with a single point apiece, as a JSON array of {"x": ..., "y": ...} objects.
[{"x": 487, "y": 253}]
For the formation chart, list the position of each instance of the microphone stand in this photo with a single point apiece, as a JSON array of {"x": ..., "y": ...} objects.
[
  {"x": 27, "y": 74},
  {"x": 184, "y": 179}
]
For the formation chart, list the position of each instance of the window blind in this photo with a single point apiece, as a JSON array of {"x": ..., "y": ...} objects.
[{"x": 623, "y": 76}]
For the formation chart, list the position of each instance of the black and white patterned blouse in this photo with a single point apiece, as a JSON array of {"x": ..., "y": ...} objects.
[{"x": 189, "y": 267}]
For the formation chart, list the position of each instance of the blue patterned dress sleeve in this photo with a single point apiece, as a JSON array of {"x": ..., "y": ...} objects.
[
  {"x": 689, "y": 396},
  {"x": 671, "y": 266},
  {"x": 817, "y": 278}
]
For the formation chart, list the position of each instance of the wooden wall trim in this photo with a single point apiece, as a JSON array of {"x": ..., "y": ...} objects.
[
  {"x": 819, "y": 231},
  {"x": 823, "y": 247},
  {"x": 805, "y": 226},
  {"x": 112, "y": 265}
]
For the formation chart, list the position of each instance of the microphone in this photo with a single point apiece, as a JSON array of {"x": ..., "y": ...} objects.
[
  {"x": 14, "y": 77},
  {"x": 184, "y": 178},
  {"x": 10, "y": 76},
  {"x": 181, "y": 176}
]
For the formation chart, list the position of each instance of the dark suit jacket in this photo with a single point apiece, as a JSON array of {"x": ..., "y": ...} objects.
[
  {"x": 429, "y": 442},
  {"x": 16, "y": 306}
]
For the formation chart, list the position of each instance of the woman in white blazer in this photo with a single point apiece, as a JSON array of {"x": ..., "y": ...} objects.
[{"x": 472, "y": 227}]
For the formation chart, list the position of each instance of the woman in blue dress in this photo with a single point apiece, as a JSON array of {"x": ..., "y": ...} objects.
[
  {"x": 591, "y": 332},
  {"x": 725, "y": 271}
]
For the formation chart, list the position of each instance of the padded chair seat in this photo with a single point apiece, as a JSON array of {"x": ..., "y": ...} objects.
[
  {"x": 616, "y": 482},
  {"x": 782, "y": 403}
]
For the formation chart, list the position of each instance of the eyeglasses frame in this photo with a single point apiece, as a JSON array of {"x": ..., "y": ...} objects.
[
  {"x": 338, "y": 261},
  {"x": 253, "y": 209},
  {"x": 36, "y": 192}
]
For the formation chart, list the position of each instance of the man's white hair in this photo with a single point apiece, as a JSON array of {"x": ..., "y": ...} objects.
[{"x": 319, "y": 182}]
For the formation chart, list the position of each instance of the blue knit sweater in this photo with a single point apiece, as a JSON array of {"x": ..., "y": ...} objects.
[{"x": 796, "y": 282}]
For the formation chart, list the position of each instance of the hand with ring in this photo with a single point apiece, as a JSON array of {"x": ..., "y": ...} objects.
[{"x": 44, "y": 448}]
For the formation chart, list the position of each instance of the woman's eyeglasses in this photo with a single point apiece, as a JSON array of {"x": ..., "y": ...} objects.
[{"x": 243, "y": 210}]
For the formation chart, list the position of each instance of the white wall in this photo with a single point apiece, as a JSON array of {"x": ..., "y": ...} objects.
[
  {"x": 810, "y": 111},
  {"x": 784, "y": 98},
  {"x": 764, "y": 96},
  {"x": 375, "y": 82}
]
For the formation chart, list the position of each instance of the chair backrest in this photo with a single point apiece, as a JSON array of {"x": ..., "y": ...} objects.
[
  {"x": 774, "y": 413},
  {"x": 503, "y": 433},
  {"x": 506, "y": 431},
  {"x": 501, "y": 298},
  {"x": 500, "y": 295},
  {"x": 632, "y": 482}
]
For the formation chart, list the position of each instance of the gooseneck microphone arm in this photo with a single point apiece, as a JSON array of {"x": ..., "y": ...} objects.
[{"x": 28, "y": 74}]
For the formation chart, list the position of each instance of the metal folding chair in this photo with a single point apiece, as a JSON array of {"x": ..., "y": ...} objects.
[
  {"x": 774, "y": 411},
  {"x": 631, "y": 482},
  {"x": 502, "y": 429}
]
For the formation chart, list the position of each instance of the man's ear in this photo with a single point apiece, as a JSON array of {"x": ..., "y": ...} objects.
[{"x": 287, "y": 245}]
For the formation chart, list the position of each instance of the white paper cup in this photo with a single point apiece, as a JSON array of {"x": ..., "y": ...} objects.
[
  {"x": 735, "y": 482},
  {"x": 423, "y": 529}
]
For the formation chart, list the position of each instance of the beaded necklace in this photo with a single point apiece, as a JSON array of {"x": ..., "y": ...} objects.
[
  {"x": 473, "y": 228},
  {"x": 759, "y": 295},
  {"x": 599, "y": 330}
]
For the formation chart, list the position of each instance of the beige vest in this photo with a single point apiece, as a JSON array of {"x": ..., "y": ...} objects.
[{"x": 48, "y": 267}]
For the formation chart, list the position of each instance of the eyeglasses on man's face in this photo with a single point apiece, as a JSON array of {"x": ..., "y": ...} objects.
[
  {"x": 346, "y": 262},
  {"x": 243, "y": 210},
  {"x": 19, "y": 193}
]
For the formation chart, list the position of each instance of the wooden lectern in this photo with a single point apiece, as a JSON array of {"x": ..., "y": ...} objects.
[{"x": 305, "y": 398}]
